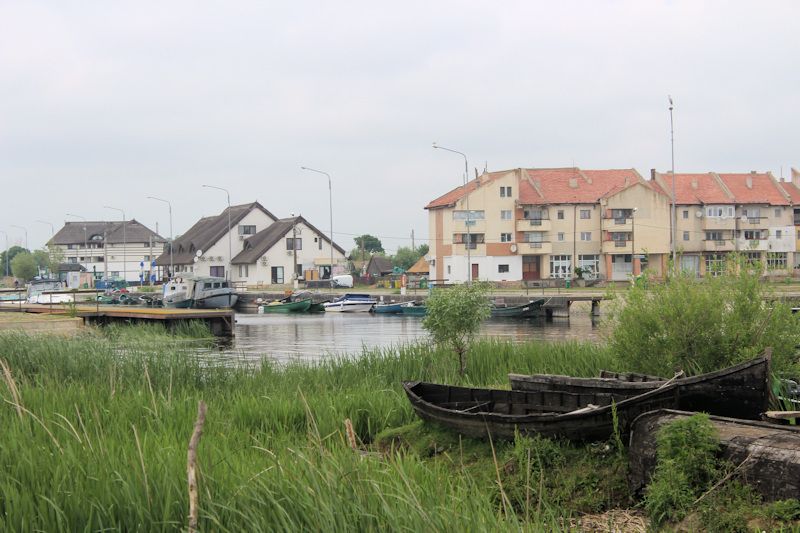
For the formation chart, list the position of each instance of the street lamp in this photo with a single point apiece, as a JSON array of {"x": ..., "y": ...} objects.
[
  {"x": 466, "y": 197},
  {"x": 633, "y": 241},
  {"x": 230, "y": 248},
  {"x": 330, "y": 209},
  {"x": 26, "y": 234},
  {"x": 170, "y": 230},
  {"x": 6, "y": 234},
  {"x": 124, "y": 243},
  {"x": 672, "y": 221}
]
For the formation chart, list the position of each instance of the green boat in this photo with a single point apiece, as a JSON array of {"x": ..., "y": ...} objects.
[
  {"x": 318, "y": 307},
  {"x": 300, "y": 306},
  {"x": 414, "y": 310},
  {"x": 531, "y": 309}
]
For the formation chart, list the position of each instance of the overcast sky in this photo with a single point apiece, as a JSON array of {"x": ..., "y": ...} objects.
[{"x": 105, "y": 103}]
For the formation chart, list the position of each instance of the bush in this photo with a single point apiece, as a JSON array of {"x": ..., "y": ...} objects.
[{"x": 702, "y": 325}]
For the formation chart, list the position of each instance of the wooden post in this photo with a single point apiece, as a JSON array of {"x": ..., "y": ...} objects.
[{"x": 191, "y": 465}]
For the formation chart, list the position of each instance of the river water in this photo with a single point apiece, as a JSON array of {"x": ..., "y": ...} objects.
[{"x": 310, "y": 337}]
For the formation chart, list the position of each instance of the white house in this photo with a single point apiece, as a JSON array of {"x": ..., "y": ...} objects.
[{"x": 289, "y": 245}]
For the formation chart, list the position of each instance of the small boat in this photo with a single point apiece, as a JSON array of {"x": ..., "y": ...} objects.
[
  {"x": 394, "y": 308},
  {"x": 318, "y": 307},
  {"x": 278, "y": 306},
  {"x": 531, "y": 309},
  {"x": 351, "y": 303},
  {"x": 415, "y": 310},
  {"x": 741, "y": 391},
  {"x": 199, "y": 292},
  {"x": 618, "y": 383}
]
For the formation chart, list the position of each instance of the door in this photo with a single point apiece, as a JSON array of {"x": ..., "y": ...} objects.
[
  {"x": 474, "y": 271},
  {"x": 530, "y": 267},
  {"x": 621, "y": 267}
]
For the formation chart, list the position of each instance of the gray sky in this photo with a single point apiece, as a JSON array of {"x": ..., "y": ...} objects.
[{"x": 105, "y": 103}]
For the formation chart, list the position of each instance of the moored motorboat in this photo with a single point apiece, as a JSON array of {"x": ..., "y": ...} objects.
[
  {"x": 740, "y": 391},
  {"x": 199, "y": 292},
  {"x": 278, "y": 306},
  {"x": 351, "y": 303}
]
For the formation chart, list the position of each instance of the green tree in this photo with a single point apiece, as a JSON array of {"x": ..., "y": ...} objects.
[
  {"x": 12, "y": 252},
  {"x": 368, "y": 244},
  {"x": 405, "y": 257},
  {"x": 42, "y": 258},
  {"x": 423, "y": 249},
  {"x": 23, "y": 266},
  {"x": 454, "y": 317},
  {"x": 702, "y": 325}
]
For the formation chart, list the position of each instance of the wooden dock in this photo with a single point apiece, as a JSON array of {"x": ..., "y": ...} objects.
[{"x": 219, "y": 321}]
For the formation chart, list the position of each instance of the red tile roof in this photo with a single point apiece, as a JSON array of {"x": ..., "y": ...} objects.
[
  {"x": 706, "y": 188},
  {"x": 792, "y": 190},
  {"x": 762, "y": 189},
  {"x": 450, "y": 198},
  {"x": 573, "y": 185}
]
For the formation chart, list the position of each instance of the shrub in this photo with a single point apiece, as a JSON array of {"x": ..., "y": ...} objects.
[{"x": 702, "y": 325}]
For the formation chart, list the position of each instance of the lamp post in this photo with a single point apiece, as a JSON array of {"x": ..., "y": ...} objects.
[
  {"x": 6, "y": 234},
  {"x": 330, "y": 209},
  {"x": 469, "y": 215},
  {"x": 170, "y": 230},
  {"x": 26, "y": 234},
  {"x": 85, "y": 244},
  {"x": 672, "y": 221},
  {"x": 633, "y": 240},
  {"x": 124, "y": 244},
  {"x": 230, "y": 247}
]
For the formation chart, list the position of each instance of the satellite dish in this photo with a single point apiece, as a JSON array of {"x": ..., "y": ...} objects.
[
  {"x": 195, "y": 259},
  {"x": 513, "y": 248},
  {"x": 699, "y": 213},
  {"x": 199, "y": 253}
]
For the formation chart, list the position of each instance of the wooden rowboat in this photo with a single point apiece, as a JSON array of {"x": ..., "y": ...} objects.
[
  {"x": 740, "y": 391},
  {"x": 299, "y": 306},
  {"x": 531, "y": 309},
  {"x": 626, "y": 384}
]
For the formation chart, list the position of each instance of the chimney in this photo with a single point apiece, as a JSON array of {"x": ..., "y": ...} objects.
[
  {"x": 749, "y": 182},
  {"x": 653, "y": 174},
  {"x": 573, "y": 183},
  {"x": 627, "y": 181},
  {"x": 694, "y": 183}
]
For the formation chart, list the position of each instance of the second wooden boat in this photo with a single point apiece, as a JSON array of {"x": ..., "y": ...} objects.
[
  {"x": 740, "y": 391},
  {"x": 299, "y": 306}
]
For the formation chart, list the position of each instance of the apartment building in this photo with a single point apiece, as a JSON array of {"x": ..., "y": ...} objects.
[
  {"x": 717, "y": 213},
  {"x": 530, "y": 224},
  {"x": 792, "y": 189}
]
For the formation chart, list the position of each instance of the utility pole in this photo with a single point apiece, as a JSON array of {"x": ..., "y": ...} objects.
[
  {"x": 672, "y": 221},
  {"x": 413, "y": 247}
]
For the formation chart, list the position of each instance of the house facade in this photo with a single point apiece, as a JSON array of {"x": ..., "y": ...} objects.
[
  {"x": 288, "y": 249},
  {"x": 109, "y": 249},
  {"x": 532, "y": 224}
]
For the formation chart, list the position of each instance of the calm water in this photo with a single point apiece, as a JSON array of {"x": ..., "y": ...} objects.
[{"x": 308, "y": 337}]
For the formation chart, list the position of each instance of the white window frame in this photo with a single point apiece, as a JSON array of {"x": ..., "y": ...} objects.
[
  {"x": 505, "y": 214},
  {"x": 560, "y": 266},
  {"x": 505, "y": 237},
  {"x": 586, "y": 236}
]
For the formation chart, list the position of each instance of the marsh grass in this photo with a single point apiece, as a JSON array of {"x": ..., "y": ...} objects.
[{"x": 95, "y": 430}]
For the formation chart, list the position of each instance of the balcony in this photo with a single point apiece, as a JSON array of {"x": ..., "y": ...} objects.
[
  {"x": 719, "y": 246},
  {"x": 617, "y": 247},
  {"x": 543, "y": 247},
  {"x": 751, "y": 222},
  {"x": 719, "y": 223},
  {"x": 752, "y": 244},
  {"x": 533, "y": 224},
  {"x": 618, "y": 224}
]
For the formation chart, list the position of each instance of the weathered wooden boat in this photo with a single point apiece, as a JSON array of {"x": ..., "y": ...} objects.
[
  {"x": 740, "y": 391},
  {"x": 278, "y": 306},
  {"x": 415, "y": 310},
  {"x": 621, "y": 385},
  {"x": 393, "y": 308},
  {"x": 767, "y": 455},
  {"x": 318, "y": 307},
  {"x": 629, "y": 376},
  {"x": 531, "y": 309}
]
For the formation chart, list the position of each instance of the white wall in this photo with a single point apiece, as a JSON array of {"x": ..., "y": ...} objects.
[{"x": 487, "y": 268}]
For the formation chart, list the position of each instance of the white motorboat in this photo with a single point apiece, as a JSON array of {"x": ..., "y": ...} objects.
[
  {"x": 199, "y": 292},
  {"x": 351, "y": 303}
]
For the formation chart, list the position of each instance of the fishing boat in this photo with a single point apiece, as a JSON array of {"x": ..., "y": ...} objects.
[
  {"x": 199, "y": 292},
  {"x": 393, "y": 308},
  {"x": 415, "y": 310},
  {"x": 351, "y": 303},
  {"x": 623, "y": 384},
  {"x": 279, "y": 306},
  {"x": 531, "y": 309},
  {"x": 741, "y": 391}
]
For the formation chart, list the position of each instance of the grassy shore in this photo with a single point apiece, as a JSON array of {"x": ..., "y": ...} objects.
[{"x": 100, "y": 439}]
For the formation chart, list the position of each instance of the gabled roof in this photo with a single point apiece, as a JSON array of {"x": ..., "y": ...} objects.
[
  {"x": 264, "y": 240},
  {"x": 791, "y": 190},
  {"x": 420, "y": 267},
  {"x": 755, "y": 188},
  {"x": 73, "y": 233},
  {"x": 379, "y": 265},
  {"x": 206, "y": 232},
  {"x": 697, "y": 188},
  {"x": 575, "y": 186},
  {"x": 450, "y": 198}
]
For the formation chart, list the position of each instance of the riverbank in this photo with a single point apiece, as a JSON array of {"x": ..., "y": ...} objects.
[{"x": 96, "y": 427}]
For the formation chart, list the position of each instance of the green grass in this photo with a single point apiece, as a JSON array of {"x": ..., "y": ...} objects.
[{"x": 106, "y": 418}]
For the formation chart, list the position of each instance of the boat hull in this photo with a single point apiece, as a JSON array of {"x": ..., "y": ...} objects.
[
  {"x": 531, "y": 309},
  {"x": 300, "y": 306},
  {"x": 741, "y": 391},
  {"x": 216, "y": 301},
  {"x": 415, "y": 310},
  {"x": 348, "y": 307},
  {"x": 390, "y": 309}
]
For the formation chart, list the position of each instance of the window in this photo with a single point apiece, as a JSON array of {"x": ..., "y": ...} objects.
[
  {"x": 298, "y": 243},
  {"x": 560, "y": 266},
  {"x": 778, "y": 234},
  {"x": 505, "y": 192},
  {"x": 502, "y": 269},
  {"x": 448, "y": 269},
  {"x": 752, "y": 213},
  {"x": 560, "y": 214},
  {"x": 715, "y": 264},
  {"x": 469, "y": 215},
  {"x": 776, "y": 260},
  {"x": 590, "y": 264},
  {"x": 778, "y": 212},
  {"x": 752, "y": 258},
  {"x": 685, "y": 235},
  {"x": 277, "y": 275},
  {"x": 505, "y": 237},
  {"x": 505, "y": 214},
  {"x": 713, "y": 235},
  {"x": 685, "y": 215},
  {"x": 319, "y": 242},
  {"x": 247, "y": 230},
  {"x": 474, "y": 239},
  {"x": 586, "y": 214},
  {"x": 244, "y": 271},
  {"x": 74, "y": 260},
  {"x": 534, "y": 236},
  {"x": 586, "y": 235},
  {"x": 619, "y": 236},
  {"x": 217, "y": 271},
  {"x": 752, "y": 234},
  {"x": 115, "y": 274},
  {"x": 620, "y": 216},
  {"x": 535, "y": 214},
  {"x": 560, "y": 235}
]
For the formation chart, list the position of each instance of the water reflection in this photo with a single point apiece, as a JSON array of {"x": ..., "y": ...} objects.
[{"x": 309, "y": 337}]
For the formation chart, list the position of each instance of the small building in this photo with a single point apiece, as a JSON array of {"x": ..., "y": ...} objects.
[{"x": 379, "y": 266}]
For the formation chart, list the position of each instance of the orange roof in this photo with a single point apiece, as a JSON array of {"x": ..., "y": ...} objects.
[
  {"x": 705, "y": 188},
  {"x": 450, "y": 198},
  {"x": 792, "y": 190},
  {"x": 541, "y": 186},
  {"x": 755, "y": 188}
]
